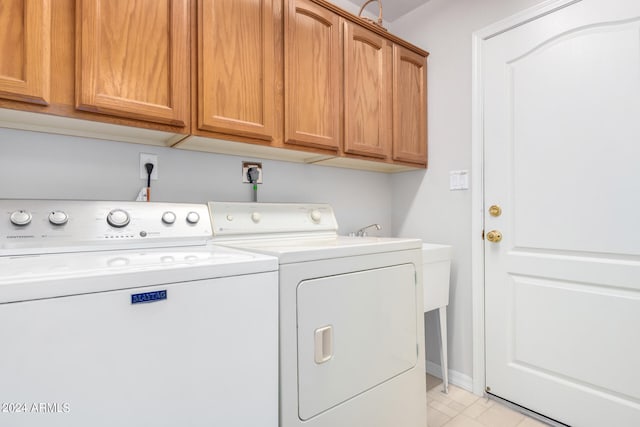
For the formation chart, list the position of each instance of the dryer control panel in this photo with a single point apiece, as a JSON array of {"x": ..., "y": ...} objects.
[
  {"x": 42, "y": 226},
  {"x": 231, "y": 220}
]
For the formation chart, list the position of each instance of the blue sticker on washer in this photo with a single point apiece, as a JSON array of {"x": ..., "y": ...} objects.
[{"x": 148, "y": 297}]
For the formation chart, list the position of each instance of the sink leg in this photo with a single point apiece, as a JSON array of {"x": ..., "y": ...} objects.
[{"x": 443, "y": 348}]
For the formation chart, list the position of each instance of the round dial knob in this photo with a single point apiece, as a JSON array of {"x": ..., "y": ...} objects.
[
  {"x": 118, "y": 218},
  {"x": 20, "y": 217},
  {"x": 58, "y": 218},
  {"x": 193, "y": 217},
  {"x": 168, "y": 217},
  {"x": 316, "y": 216},
  {"x": 256, "y": 217}
]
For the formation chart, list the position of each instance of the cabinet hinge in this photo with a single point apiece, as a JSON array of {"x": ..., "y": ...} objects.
[{"x": 482, "y": 234}]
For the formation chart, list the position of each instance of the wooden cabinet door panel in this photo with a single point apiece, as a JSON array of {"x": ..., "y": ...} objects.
[
  {"x": 367, "y": 91},
  {"x": 312, "y": 75},
  {"x": 409, "y": 106},
  {"x": 236, "y": 67},
  {"x": 25, "y": 46},
  {"x": 133, "y": 59}
]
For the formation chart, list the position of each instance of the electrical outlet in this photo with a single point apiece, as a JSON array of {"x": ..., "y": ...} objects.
[
  {"x": 148, "y": 158},
  {"x": 245, "y": 171}
]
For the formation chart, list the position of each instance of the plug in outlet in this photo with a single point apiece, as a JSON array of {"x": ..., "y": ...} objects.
[
  {"x": 245, "y": 171},
  {"x": 148, "y": 158}
]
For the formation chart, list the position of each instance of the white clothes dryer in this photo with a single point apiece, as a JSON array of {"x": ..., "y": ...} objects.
[
  {"x": 125, "y": 314},
  {"x": 351, "y": 318}
]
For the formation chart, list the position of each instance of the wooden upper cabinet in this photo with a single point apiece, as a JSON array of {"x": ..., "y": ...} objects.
[
  {"x": 312, "y": 75},
  {"x": 367, "y": 92},
  {"x": 409, "y": 106},
  {"x": 132, "y": 59},
  {"x": 236, "y": 68},
  {"x": 25, "y": 46}
]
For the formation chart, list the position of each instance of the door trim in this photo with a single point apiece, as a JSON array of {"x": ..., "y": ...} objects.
[{"x": 477, "y": 173}]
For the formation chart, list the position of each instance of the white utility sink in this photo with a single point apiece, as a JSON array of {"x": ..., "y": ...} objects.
[{"x": 436, "y": 261}]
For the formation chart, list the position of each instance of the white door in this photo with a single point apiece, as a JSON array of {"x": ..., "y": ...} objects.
[{"x": 562, "y": 160}]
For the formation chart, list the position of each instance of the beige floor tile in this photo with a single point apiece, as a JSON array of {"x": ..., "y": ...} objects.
[
  {"x": 436, "y": 394},
  {"x": 485, "y": 401},
  {"x": 458, "y": 407},
  {"x": 478, "y": 407},
  {"x": 433, "y": 382},
  {"x": 461, "y": 408},
  {"x": 445, "y": 409},
  {"x": 500, "y": 416},
  {"x": 436, "y": 418},
  {"x": 530, "y": 422},
  {"x": 463, "y": 421},
  {"x": 462, "y": 396}
]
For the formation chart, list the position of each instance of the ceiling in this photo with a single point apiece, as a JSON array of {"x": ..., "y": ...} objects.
[{"x": 392, "y": 9}]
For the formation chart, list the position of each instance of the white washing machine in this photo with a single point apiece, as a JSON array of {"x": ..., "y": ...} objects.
[
  {"x": 351, "y": 318},
  {"x": 125, "y": 314}
]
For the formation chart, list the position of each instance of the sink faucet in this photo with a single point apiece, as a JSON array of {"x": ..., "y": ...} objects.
[{"x": 363, "y": 231}]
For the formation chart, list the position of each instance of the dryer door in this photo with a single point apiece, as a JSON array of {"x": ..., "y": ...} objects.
[{"x": 355, "y": 331}]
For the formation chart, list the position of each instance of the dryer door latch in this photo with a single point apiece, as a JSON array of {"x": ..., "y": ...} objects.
[{"x": 323, "y": 344}]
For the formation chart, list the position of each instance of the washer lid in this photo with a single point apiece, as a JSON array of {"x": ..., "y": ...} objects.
[{"x": 44, "y": 276}]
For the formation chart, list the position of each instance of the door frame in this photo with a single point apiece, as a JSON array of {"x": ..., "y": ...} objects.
[{"x": 477, "y": 174}]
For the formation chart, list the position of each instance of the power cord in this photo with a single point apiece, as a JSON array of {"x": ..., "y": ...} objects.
[
  {"x": 252, "y": 175},
  {"x": 149, "y": 168}
]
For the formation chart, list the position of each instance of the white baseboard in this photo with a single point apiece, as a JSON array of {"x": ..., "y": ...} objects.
[{"x": 456, "y": 378}]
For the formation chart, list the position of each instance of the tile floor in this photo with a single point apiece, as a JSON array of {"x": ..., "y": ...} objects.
[{"x": 460, "y": 408}]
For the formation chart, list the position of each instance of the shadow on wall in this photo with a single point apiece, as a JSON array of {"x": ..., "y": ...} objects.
[
  {"x": 47, "y": 166},
  {"x": 405, "y": 198}
]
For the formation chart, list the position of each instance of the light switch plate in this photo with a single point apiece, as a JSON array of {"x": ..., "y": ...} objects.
[{"x": 459, "y": 180}]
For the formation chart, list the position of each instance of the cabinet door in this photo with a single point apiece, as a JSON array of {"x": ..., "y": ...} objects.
[
  {"x": 367, "y": 89},
  {"x": 25, "y": 43},
  {"x": 236, "y": 67},
  {"x": 312, "y": 75},
  {"x": 132, "y": 59},
  {"x": 409, "y": 106}
]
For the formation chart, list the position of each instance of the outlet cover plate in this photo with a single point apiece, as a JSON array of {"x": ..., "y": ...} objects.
[{"x": 245, "y": 170}]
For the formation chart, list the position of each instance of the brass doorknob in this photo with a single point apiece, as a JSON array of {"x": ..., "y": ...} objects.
[{"x": 494, "y": 236}]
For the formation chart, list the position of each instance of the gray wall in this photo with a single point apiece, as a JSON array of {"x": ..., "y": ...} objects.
[
  {"x": 416, "y": 204},
  {"x": 39, "y": 165},
  {"x": 422, "y": 204}
]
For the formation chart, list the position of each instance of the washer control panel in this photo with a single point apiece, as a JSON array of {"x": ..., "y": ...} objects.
[
  {"x": 240, "y": 219},
  {"x": 37, "y": 226}
]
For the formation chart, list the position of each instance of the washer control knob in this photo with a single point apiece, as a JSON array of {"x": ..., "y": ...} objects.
[
  {"x": 168, "y": 217},
  {"x": 58, "y": 218},
  {"x": 118, "y": 218},
  {"x": 229, "y": 217},
  {"x": 20, "y": 217},
  {"x": 256, "y": 217},
  {"x": 316, "y": 216},
  {"x": 193, "y": 217}
]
